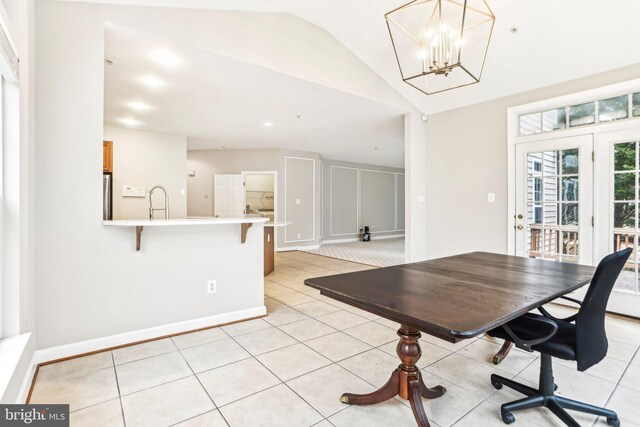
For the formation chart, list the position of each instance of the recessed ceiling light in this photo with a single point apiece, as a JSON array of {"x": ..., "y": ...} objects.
[
  {"x": 139, "y": 106},
  {"x": 267, "y": 124},
  {"x": 165, "y": 58},
  {"x": 152, "y": 82},
  {"x": 129, "y": 121}
]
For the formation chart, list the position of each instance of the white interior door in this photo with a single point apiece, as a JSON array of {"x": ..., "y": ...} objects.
[
  {"x": 228, "y": 195},
  {"x": 554, "y": 199},
  {"x": 617, "y": 203}
]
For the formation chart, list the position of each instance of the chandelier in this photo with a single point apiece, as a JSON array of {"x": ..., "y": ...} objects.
[{"x": 441, "y": 44}]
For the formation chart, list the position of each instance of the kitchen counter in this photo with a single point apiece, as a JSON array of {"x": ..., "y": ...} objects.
[
  {"x": 184, "y": 221},
  {"x": 245, "y": 223},
  {"x": 277, "y": 223}
]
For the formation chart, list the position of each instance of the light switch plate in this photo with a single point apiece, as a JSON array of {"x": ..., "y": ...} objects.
[
  {"x": 298, "y": 201},
  {"x": 491, "y": 197},
  {"x": 132, "y": 191}
]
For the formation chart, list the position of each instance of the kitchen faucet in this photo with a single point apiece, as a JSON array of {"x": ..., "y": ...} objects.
[{"x": 166, "y": 203}]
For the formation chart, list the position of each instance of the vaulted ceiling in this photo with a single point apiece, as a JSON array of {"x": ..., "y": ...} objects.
[
  {"x": 556, "y": 41},
  {"x": 332, "y": 63}
]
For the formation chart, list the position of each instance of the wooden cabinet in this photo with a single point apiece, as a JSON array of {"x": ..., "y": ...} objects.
[
  {"x": 269, "y": 249},
  {"x": 107, "y": 156}
]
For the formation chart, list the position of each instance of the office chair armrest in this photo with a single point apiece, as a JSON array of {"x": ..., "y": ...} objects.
[
  {"x": 573, "y": 300},
  {"x": 569, "y": 319},
  {"x": 527, "y": 344},
  {"x": 548, "y": 315}
]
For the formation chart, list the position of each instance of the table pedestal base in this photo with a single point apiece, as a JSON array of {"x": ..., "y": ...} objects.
[{"x": 406, "y": 381}]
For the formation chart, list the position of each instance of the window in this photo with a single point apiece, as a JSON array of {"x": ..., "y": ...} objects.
[
  {"x": 554, "y": 119},
  {"x": 613, "y": 108},
  {"x": 620, "y": 107},
  {"x": 9, "y": 124},
  {"x": 537, "y": 192},
  {"x": 583, "y": 114}
]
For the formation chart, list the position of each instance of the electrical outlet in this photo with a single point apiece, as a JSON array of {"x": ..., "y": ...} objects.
[
  {"x": 298, "y": 236},
  {"x": 211, "y": 287}
]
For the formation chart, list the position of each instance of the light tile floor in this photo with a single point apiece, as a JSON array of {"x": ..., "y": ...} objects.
[{"x": 290, "y": 368}]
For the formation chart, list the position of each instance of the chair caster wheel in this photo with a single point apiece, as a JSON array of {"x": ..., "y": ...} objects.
[
  {"x": 507, "y": 417},
  {"x": 497, "y": 385},
  {"x": 496, "y": 360},
  {"x": 615, "y": 422}
]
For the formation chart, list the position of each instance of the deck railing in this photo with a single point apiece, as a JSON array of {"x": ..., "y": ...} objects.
[{"x": 552, "y": 242}]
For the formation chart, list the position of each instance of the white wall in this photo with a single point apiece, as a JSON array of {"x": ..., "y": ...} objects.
[
  {"x": 207, "y": 163},
  {"x": 91, "y": 282},
  {"x": 146, "y": 159},
  {"x": 465, "y": 157},
  {"x": 357, "y": 194}
]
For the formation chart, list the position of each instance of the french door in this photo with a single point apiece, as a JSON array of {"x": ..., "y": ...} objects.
[
  {"x": 554, "y": 199},
  {"x": 617, "y": 171},
  {"x": 578, "y": 200}
]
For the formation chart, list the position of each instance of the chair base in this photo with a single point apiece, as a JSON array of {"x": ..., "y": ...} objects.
[{"x": 545, "y": 397}]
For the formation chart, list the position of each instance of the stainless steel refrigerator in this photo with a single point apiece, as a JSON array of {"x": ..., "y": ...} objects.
[{"x": 107, "y": 197}]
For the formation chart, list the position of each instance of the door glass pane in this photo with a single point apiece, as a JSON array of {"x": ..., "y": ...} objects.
[
  {"x": 553, "y": 204},
  {"x": 570, "y": 189},
  {"x": 551, "y": 163},
  {"x": 534, "y": 190},
  {"x": 624, "y": 186},
  {"x": 583, "y": 114},
  {"x": 570, "y": 161},
  {"x": 613, "y": 108},
  {"x": 550, "y": 189},
  {"x": 624, "y": 156},
  {"x": 570, "y": 214},
  {"x": 635, "y": 104},
  {"x": 625, "y": 214},
  {"x": 554, "y": 119},
  {"x": 570, "y": 246}
]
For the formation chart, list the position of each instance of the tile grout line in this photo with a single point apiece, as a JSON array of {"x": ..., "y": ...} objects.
[
  {"x": 115, "y": 371},
  {"x": 617, "y": 384},
  {"x": 203, "y": 388},
  {"x": 281, "y": 381}
]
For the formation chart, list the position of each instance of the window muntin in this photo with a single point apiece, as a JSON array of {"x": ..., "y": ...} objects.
[{"x": 605, "y": 110}]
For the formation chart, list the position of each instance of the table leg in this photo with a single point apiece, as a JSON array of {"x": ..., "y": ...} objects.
[
  {"x": 502, "y": 353},
  {"x": 405, "y": 381}
]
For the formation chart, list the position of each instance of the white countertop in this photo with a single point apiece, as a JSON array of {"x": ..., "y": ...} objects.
[
  {"x": 184, "y": 221},
  {"x": 277, "y": 223}
]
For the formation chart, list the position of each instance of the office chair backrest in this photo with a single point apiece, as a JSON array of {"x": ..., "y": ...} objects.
[{"x": 591, "y": 338}]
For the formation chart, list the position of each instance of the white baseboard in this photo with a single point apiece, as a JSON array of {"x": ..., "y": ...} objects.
[
  {"x": 387, "y": 236},
  {"x": 356, "y": 239},
  {"x": 74, "y": 349},
  {"x": 297, "y": 248},
  {"x": 26, "y": 383}
]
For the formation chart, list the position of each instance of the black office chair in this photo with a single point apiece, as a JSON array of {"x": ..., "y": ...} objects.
[{"x": 580, "y": 337}]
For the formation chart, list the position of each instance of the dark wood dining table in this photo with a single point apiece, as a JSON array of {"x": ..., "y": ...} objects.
[{"x": 452, "y": 298}]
